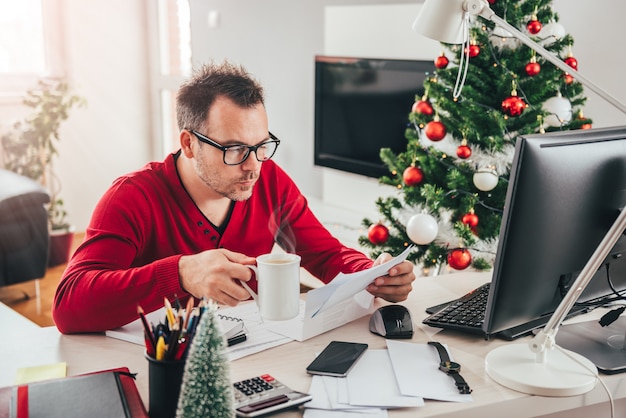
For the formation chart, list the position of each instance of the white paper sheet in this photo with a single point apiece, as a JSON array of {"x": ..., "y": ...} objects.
[
  {"x": 341, "y": 301},
  {"x": 416, "y": 368},
  {"x": 345, "y": 286},
  {"x": 258, "y": 335},
  {"x": 324, "y": 403},
  {"x": 372, "y": 382},
  {"x": 304, "y": 326}
]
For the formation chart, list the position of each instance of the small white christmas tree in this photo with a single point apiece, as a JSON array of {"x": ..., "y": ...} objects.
[{"x": 206, "y": 389}]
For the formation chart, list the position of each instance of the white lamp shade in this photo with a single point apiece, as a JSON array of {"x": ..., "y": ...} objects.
[{"x": 441, "y": 20}]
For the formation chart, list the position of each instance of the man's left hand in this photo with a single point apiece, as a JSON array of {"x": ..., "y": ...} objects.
[{"x": 397, "y": 284}]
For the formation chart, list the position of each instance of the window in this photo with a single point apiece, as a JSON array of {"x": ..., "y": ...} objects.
[
  {"x": 30, "y": 44},
  {"x": 170, "y": 66}
]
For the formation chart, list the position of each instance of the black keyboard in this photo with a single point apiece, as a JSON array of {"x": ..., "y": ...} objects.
[{"x": 466, "y": 313}]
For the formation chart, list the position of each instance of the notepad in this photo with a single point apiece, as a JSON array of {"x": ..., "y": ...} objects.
[{"x": 232, "y": 328}]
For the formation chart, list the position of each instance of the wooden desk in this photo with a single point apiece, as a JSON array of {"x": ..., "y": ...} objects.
[{"x": 29, "y": 345}]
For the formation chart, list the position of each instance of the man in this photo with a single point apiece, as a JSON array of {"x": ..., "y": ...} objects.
[{"x": 190, "y": 224}]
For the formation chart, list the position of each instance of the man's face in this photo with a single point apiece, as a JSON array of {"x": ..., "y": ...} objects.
[{"x": 231, "y": 125}]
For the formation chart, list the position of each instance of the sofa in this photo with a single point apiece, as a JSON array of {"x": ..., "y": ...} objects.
[{"x": 24, "y": 237}]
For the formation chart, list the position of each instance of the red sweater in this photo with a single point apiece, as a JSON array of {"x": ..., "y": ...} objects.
[{"x": 146, "y": 221}]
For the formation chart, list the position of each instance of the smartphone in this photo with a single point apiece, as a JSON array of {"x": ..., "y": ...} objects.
[{"x": 337, "y": 358}]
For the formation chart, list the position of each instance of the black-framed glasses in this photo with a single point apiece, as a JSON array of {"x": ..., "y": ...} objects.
[{"x": 237, "y": 154}]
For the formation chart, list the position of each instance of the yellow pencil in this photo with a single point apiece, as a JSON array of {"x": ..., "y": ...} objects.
[
  {"x": 160, "y": 348},
  {"x": 171, "y": 319}
]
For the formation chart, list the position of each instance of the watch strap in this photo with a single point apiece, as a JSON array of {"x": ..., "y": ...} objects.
[
  {"x": 461, "y": 384},
  {"x": 444, "y": 357},
  {"x": 443, "y": 353}
]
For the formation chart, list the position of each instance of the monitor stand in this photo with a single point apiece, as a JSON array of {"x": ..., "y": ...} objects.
[{"x": 604, "y": 346}]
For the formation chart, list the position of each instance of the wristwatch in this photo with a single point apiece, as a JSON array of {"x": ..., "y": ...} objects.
[{"x": 451, "y": 368}]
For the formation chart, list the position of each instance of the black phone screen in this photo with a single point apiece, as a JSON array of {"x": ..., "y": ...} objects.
[{"x": 337, "y": 358}]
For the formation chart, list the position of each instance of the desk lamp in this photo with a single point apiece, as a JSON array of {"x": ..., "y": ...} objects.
[{"x": 540, "y": 367}]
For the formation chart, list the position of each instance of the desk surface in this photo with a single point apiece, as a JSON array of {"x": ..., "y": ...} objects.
[{"x": 27, "y": 345}]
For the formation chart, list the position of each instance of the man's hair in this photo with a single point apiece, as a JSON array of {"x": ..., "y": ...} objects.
[{"x": 196, "y": 95}]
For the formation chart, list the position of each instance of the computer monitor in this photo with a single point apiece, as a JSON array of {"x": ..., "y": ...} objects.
[{"x": 565, "y": 191}]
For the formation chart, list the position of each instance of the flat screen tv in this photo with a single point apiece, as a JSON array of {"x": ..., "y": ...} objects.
[{"x": 361, "y": 106}]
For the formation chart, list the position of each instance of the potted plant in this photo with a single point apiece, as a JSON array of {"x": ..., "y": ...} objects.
[{"x": 29, "y": 148}]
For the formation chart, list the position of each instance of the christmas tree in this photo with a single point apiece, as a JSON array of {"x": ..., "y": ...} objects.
[
  {"x": 452, "y": 178},
  {"x": 206, "y": 390}
]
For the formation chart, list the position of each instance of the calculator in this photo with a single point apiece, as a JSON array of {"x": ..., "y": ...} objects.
[{"x": 264, "y": 394}]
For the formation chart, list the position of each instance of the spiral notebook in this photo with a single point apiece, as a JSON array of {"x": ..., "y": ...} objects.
[{"x": 233, "y": 329}]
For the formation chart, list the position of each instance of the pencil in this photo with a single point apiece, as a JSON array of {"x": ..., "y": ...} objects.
[
  {"x": 150, "y": 341},
  {"x": 171, "y": 320},
  {"x": 188, "y": 310},
  {"x": 160, "y": 349}
]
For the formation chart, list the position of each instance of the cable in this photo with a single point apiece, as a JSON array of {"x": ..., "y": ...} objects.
[
  {"x": 595, "y": 373},
  {"x": 458, "y": 85}
]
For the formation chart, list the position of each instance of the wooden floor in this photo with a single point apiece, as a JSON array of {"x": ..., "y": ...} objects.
[{"x": 23, "y": 298}]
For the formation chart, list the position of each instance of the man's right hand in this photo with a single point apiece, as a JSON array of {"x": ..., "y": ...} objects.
[{"x": 212, "y": 274}]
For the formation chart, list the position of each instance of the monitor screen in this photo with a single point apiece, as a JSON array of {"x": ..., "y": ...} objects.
[
  {"x": 361, "y": 106},
  {"x": 566, "y": 189}
]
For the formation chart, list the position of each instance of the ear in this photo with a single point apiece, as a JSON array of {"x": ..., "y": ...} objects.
[{"x": 185, "y": 138}]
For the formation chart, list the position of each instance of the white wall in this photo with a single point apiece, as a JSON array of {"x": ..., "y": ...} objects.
[
  {"x": 276, "y": 39},
  {"x": 106, "y": 57}
]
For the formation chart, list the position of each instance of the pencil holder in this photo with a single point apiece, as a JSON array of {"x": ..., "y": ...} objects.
[{"x": 165, "y": 379}]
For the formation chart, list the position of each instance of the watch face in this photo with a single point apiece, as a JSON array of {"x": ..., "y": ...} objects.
[{"x": 450, "y": 367}]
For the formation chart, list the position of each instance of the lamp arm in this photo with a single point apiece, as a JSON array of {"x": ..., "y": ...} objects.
[
  {"x": 544, "y": 340},
  {"x": 472, "y": 6}
]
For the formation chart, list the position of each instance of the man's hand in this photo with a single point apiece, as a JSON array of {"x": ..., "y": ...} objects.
[
  {"x": 395, "y": 286},
  {"x": 213, "y": 273}
]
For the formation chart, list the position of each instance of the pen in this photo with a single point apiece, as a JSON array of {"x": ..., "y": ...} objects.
[{"x": 236, "y": 339}]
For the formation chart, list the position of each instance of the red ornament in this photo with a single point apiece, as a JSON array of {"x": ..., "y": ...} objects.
[
  {"x": 491, "y": 1},
  {"x": 534, "y": 26},
  {"x": 412, "y": 176},
  {"x": 470, "y": 219},
  {"x": 473, "y": 49},
  {"x": 441, "y": 61},
  {"x": 513, "y": 106},
  {"x": 572, "y": 62},
  {"x": 568, "y": 78},
  {"x": 423, "y": 107},
  {"x": 378, "y": 234},
  {"x": 459, "y": 259},
  {"x": 533, "y": 68},
  {"x": 435, "y": 130},
  {"x": 581, "y": 116},
  {"x": 463, "y": 151}
]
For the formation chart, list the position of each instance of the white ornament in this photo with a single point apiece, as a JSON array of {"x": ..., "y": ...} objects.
[
  {"x": 502, "y": 38},
  {"x": 550, "y": 33},
  {"x": 422, "y": 228},
  {"x": 559, "y": 109},
  {"x": 485, "y": 179}
]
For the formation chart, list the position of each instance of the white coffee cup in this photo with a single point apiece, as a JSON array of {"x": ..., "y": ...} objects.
[{"x": 278, "y": 278}]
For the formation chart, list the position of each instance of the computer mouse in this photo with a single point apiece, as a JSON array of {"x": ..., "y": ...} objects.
[{"x": 392, "y": 321}]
